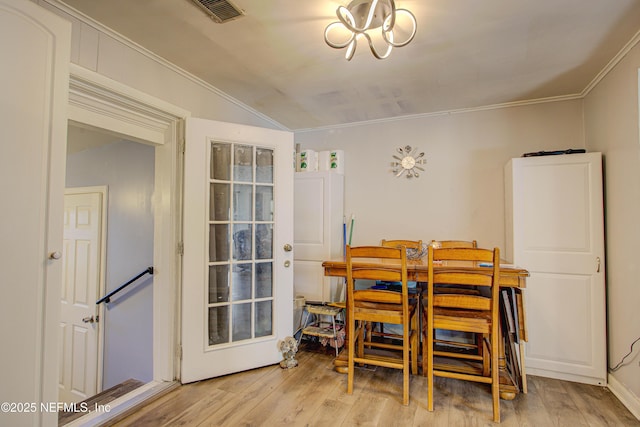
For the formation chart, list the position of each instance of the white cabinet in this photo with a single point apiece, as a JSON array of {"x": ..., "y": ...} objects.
[
  {"x": 317, "y": 233},
  {"x": 555, "y": 229}
]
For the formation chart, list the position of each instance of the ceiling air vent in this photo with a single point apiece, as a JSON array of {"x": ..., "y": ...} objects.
[{"x": 220, "y": 10}]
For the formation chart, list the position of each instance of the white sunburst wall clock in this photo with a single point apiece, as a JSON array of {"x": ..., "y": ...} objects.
[{"x": 407, "y": 162}]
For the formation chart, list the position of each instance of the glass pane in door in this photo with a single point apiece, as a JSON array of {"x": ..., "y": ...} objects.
[{"x": 241, "y": 220}]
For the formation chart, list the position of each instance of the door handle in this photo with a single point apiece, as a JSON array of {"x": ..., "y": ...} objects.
[
  {"x": 598, "y": 267},
  {"x": 288, "y": 248},
  {"x": 55, "y": 255},
  {"x": 88, "y": 319}
]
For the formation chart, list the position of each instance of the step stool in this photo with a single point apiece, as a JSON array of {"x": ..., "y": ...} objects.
[{"x": 321, "y": 326}]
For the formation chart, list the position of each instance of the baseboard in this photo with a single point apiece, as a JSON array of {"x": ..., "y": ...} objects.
[
  {"x": 625, "y": 396},
  {"x": 124, "y": 405},
  {"x": 565, "y": 376}
]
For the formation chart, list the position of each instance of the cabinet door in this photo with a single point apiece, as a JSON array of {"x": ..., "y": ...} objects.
[
  {"x": 318, "y": 233},
  {"x": 558, "y": 235},
  {"x": 318, "y": 213}
]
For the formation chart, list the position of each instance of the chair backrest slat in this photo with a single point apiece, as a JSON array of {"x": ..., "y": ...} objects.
[
  {"x": 409, "y": 244},
  {"x": 454, "y": 243},
  {"x": 441, "y": 273},
  {"x": 466, "y": 302}
]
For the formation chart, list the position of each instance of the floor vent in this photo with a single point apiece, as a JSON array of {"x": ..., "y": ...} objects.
[{"x": 220, "y": 10}]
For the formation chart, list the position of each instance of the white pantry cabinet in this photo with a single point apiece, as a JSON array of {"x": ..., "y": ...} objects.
[
  {"x": 317, "y": 233},
  {"x": 555, "y": 229}
]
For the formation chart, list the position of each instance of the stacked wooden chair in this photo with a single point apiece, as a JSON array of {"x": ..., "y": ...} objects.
[
  {"x": 365, "y": 306},
  {"x": 472, "y": 312}
]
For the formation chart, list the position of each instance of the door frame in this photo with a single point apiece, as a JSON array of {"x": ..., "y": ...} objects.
[
  {"x": 99, "y": 102},
  {"x": 103, "y": 190}
]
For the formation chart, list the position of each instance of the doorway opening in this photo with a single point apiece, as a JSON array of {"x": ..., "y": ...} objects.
[
  {"x": 124, "y": 326},
  {"x": 126, "y": 124}
]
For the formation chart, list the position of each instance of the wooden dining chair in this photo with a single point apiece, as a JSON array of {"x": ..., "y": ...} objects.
[
  {"x": 477, "y": 314},
  {"x": 476, "y": 343},
  {"x": 383, "y": 306}
]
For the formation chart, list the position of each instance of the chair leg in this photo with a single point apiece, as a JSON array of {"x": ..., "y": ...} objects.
[
  {"x": 415, "y": 344},
  {"x": 351, "y": 339},
  {"x": 495, "y": 380},
  {"x": 523, "y": 371},
  {"x": 429, "y": 362},
  {"x": 485, "y": 353},
  {"x": 405, "y": 374},
  {"x": 360, "y": 338}
]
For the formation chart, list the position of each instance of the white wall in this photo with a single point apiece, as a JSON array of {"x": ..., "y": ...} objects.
[
  {"x": 99, "y": 49},
  {"x": 460, "y": 195},
  {"x": 127, "y": 168},
  {"x": 611, "y": 126}
]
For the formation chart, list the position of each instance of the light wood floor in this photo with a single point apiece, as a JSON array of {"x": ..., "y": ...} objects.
[{"x": 313, "y": 394}]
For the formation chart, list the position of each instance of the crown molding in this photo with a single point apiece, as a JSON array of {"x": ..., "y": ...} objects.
[{"x": 87, "y": 20}]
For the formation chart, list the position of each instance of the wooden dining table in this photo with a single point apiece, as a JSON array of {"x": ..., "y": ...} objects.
[{"x": 511, "y": 345}]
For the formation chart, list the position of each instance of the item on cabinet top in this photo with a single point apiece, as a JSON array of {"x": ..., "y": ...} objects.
[
  {"x": 332, "y": 160},
  {"x": 308, "y": 161},
  {"x": 555, "y": 153}
]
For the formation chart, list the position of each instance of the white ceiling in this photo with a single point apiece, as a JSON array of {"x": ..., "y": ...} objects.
[{"x": 466, "y": 54}]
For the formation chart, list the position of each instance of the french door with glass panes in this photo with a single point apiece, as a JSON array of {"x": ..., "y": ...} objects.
[{"x": 237, "y": 296}]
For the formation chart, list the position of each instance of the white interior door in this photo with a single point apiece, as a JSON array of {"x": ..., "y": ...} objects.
[
  {"x": 34, "y": 82},
  {"x": 237, "y": 298},
  {"x": 81, "y": 280},
  {"x": 559, "y": 237}
]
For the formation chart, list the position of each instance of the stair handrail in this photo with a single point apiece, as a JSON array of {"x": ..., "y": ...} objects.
[{"x": 107, "y": 298}]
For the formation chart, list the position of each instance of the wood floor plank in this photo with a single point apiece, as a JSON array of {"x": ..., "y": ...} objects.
[
  {"x": 313, "y": 394},
  {"x": 236, "y": 411},
  {"x": 561, "y": 408},
  {"x": 596, "y": 405},
  {"x": 530, "y": 411},
  {"x": 301, "y": 399},
  {"x": 331, "y": 413}
]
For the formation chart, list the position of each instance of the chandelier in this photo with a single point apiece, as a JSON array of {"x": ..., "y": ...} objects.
[{"x": 360, "y": 18}]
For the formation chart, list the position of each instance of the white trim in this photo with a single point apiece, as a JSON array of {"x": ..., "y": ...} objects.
[
  {"x": 85, "y": 19},
  {"x": 447, "y": 112},
  {"x": 626, "y": 396},
  {"x": 614, "y": 61},
  {"x": 123, "y": 404},
  {"x": 97, "y": 101}
]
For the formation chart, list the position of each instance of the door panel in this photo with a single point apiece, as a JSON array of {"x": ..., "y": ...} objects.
[
  {"x": 558, "y": 235},
  {"x": 238, "y": 215},
  {"x": 34, "y": 82},
  {"x": 80, "y": 288}
]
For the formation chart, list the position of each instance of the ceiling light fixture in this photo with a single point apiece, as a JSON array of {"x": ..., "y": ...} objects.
[{"x": 361, "y": 16}]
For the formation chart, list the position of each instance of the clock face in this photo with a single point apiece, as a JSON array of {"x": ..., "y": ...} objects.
[{"x": 408, "y": 163}]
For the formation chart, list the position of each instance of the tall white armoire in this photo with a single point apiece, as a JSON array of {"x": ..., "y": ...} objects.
[
  {"x": 555, "y": 229},
  {"x": 317, "y": 233}
]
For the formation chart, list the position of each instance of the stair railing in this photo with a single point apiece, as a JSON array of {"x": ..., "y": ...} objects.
[{"x": 107, "y": 298}]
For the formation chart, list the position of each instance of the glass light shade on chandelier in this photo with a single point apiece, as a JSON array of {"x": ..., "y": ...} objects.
[{"x": 360, "y": 18}]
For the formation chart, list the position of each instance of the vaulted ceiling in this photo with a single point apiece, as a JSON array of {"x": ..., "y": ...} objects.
[{"x": 466, "y": 53}]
